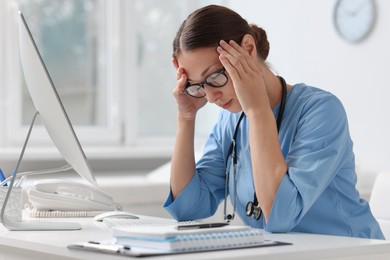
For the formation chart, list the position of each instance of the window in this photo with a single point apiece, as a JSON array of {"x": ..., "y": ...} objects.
[
  {"x": 75, "y": 39},
  {"x": 155, "y": 29},
  {"x": 111, "y": 64},
  {"x": 71, "y": 37}
]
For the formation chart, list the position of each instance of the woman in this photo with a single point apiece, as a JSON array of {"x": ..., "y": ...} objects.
[{"x": 290, "y": 167}]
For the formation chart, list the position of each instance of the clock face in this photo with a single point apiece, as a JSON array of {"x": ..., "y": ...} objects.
[{"x": 354, "y": 19}]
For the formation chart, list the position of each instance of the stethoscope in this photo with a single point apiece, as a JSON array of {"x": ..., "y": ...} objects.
[{"x": 252, "y": 207}]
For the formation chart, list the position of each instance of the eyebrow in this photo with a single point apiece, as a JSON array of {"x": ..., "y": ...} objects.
[{"x": 205, "y": 71}]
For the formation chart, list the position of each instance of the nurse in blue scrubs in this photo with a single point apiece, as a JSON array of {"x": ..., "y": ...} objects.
[{"x": 282, "y": 153}]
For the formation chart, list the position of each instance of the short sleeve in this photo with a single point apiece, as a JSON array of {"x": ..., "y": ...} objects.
[{"x": 319, "y": 149}]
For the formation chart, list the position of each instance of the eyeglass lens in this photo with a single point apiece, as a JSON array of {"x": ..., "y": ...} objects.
[{"x": 217, "y": 79}]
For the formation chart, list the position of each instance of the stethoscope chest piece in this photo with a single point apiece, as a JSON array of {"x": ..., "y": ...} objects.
[{"x": 253, "y": 210}]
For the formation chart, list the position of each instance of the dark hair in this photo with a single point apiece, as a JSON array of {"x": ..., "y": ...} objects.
[{"x": 206, "y": 26}]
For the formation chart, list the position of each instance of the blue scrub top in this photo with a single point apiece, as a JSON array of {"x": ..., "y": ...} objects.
[{"x": 317, "y": 194}]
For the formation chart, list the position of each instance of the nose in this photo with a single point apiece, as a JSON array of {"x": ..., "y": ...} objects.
[{"x": 212, "y": 94}]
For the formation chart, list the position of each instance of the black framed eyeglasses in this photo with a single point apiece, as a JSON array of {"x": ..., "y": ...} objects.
[{"x": 216, "y": 79}]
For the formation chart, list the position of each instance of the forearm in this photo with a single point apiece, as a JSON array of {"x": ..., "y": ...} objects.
[
  {"x": 268, "y": 163},
  {"x": 183, "y": 159}
]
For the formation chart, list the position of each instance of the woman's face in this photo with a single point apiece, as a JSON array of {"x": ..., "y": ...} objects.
[{"x": 200, "y": 63}]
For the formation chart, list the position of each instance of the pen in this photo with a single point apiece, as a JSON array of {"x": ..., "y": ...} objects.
[
  {"x": 205, "y": 225},
  {"x": 103, "y": 248}
]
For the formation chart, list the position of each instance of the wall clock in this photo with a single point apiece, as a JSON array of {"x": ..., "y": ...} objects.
[{"x": 354, "y": 19}]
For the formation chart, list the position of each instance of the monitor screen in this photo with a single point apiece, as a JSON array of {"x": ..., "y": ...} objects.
[{"x": 48, "y": 104}]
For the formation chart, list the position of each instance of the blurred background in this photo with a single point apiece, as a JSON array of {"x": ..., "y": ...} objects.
[{"x": 111, "y": 64}]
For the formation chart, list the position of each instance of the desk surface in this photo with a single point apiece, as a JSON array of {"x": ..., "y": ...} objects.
[{"x": 53, "y": 245}]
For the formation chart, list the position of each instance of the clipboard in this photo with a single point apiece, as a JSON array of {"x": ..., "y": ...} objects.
[{"x": 110, "y": 247}]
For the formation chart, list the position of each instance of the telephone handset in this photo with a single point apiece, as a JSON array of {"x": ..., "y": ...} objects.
[{"x": 47, "y": 195}]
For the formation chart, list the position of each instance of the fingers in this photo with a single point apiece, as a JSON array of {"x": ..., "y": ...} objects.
[
  {"x": 230, "y": 68},
  {"x": 233, "y": 48},
  {"x": 179, "y": 71},
  {"x": 181, "y": 77},
  {"x": 235, "y": 59},
  {"x": 175, "y": 63}
]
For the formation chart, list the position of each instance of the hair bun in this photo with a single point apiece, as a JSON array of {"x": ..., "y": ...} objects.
[{"x": 261, "y": 39}]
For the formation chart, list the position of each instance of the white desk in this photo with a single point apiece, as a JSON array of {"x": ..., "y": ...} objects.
[{"x": 53, "y": 245}]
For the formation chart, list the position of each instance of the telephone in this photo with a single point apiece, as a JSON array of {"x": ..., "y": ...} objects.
[{"x": 60, "y": 195}]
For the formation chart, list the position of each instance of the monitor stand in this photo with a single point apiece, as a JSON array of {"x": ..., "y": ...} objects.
[{"x": 26, "y": 225}]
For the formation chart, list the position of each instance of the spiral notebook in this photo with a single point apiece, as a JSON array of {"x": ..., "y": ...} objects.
[
  {"x": 168, "y": 239},
  {"x": 195, "y": 242},
  {"x": 157, "y": 239}
]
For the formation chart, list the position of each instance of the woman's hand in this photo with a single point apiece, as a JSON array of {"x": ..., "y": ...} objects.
[
  {"x": 245, "y": 71},
  {"x": 187, "y": 105}
]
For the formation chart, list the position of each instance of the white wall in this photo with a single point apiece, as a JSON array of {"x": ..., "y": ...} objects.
[{"x": 305, "y": 47}]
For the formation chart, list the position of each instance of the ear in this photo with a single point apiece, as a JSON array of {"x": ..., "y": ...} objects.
[{"x": 248, "y": 43}]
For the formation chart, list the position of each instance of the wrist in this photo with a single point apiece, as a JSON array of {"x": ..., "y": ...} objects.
[
  {"x": 261, "y": 120},
  {"x": 185, "y": 117},
  {"x": 257, "y": 112}
]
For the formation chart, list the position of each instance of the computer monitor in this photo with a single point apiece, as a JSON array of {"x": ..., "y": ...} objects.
[
  {"x": 49, "y": 105},
  {"x": 50, "y": 109}
]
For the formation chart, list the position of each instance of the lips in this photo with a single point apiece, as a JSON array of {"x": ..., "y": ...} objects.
[{"x": 227, "y": 104}]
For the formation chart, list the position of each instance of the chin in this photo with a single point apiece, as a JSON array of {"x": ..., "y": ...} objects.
[
  {"x": 234, "y": 109},
  {"x": 233, "y": 106}
]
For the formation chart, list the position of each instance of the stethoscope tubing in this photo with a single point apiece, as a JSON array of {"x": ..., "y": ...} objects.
[{"x": 233, "y": 152}]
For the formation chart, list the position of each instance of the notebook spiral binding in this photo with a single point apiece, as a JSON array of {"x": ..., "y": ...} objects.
[
  {"x": 33, "y": 213},
  {"x": 219, "y": 240}
]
